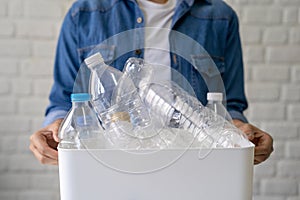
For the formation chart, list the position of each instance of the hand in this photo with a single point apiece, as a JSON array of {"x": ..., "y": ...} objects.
[
  {"x": 263, "y": 141},
  {"x": 43, "y": 143}
]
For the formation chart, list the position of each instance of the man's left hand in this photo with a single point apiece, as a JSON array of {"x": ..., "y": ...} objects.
[{"x": 263, "y": 141}]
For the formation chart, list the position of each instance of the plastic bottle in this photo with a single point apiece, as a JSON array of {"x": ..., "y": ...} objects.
[
  {"x": 215, "y": 103},
  {"x": 178, "y": 109},
  {"x": 118, "y": 104},
  {"x": 81, "y": 127}
]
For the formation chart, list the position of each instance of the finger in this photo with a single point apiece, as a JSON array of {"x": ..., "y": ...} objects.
[
  {"x": 41, "y": 158},
  {"x": 260, "y": 158},
  {"x": 55, "y": 128},
  {"x": 40, "y": 144}
]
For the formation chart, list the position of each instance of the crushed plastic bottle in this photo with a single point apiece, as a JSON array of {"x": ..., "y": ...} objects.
[
  {"x": 81, "y": 128},
  {"x": 175, "y": 108}
]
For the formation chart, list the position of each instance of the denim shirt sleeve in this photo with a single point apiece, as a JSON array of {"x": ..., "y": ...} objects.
[
  {"x": 234, "y": 72},
  {"x": 65, "y": 69}
]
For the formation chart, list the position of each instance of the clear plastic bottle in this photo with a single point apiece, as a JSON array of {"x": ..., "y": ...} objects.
[
  {"x": 118, "y": 104},
  {"x": 81, "y": 127},
  {"x": 215, "y": 100},
  {"x": 177, "y": 109}
]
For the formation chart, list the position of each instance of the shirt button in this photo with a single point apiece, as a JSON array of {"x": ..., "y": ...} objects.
[
  {"x": 138, "y": 52},
  {"x": 139, "y": 20}
]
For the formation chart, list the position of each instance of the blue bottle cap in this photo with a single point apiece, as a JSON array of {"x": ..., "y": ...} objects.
[{"x": 80, "y": 97}]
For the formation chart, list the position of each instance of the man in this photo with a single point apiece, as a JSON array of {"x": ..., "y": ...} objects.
[{"x": 211, "y": 23}]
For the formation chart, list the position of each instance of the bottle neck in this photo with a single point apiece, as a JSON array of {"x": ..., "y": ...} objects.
[
  {"x": 76, "y": 104},
  {"x": 214, "y": 102}
]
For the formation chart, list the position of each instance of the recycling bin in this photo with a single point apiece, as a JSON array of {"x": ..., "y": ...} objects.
[{"x": 169, "y": 174}]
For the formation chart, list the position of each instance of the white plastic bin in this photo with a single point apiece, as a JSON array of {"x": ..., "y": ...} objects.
[{"x": 217, "y": 174}]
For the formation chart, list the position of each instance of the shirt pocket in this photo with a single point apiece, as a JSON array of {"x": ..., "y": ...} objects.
[
  {"x": 107, "y": 52},
  {"x": 207, "y": 75},
  {"x": 208, "y": 66}
]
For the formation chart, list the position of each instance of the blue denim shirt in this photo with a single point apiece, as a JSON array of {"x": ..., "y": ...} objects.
[{"x": 211, "y": 23}]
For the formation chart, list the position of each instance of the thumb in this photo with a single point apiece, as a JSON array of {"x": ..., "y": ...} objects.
[{"x": 54, "y": 127}]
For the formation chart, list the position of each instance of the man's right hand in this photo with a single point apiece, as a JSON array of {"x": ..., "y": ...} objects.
[{"x": 43, "y": 143}]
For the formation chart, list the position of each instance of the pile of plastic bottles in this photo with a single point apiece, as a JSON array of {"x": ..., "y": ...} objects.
[{"x": 128, "y": 110}]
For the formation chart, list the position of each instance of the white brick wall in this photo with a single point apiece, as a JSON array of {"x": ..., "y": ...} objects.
[{"x": 270, "y": 31}]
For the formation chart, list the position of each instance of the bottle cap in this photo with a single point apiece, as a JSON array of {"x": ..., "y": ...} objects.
[
  {"x": 214, "y": 96},
  {"x": 94, "y": 60},
  {"x": 80, "y": 97}
]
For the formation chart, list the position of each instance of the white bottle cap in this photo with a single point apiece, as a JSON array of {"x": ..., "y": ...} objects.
[
  {"x": 94, "y": 60},
  {"x": 214, "y": 96}
]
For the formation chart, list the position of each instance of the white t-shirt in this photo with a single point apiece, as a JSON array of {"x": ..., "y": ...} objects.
[{"x": 158, "y": 19}]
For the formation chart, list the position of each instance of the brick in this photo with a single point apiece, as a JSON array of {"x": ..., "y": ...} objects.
[
  {"x": 262, "y": 15},
  {"x": 286, "y": 54},
  {"x": 290, "y": 93},
  {"x": 293, "y": 149},
  {"x": 290, "y": 15},
  {"x": 14, "y": 181},
  {"x": 278, "y": 186},
  {"x": 279, "y": 150},
  {"x": 22, "y": 86},
  {"x": 44, "y": 49},
  {"x": 275, "y": 35},
  {"x": 296, "y": 73},
  {"x": 281, "y": 131},
  {"x": 267, "y": 111},
  {"x": 254, "y": 54},
  {"x": 43, "y": 9},
  {"x": 262, "y": 92},
  {"x": 7, "y": 28},
  {"x": 34, "y": 106},
  {"x": 37, "y": 194},
  {"x": 42, "y": 87},
  {"x": 294, "y": 35},
  {"x": 3, "y": 8},
  {"x": 15, "y": 48},
  {"x": 294, "y": 112},
  {"x": 294, "y": 198},
  {"x": 288, "y": 168},
  {"x": 8, "y": 106},
  {"x": 6, "y": 145},
  {"x": 45, "y": 181},
  {"x": 5, "y": 86},
  {"x": 8, "y": 195},
  {"x": 35, "y": 29},
  {"x": 51, "y": 168},
  {"x": 25, "y": 163},
  {"x": 268, "y": 169},
  {"x": 23, "y": 143},
  {"x": 57, "y": 28},
  {"x": 268, "y": 198},
  {"x": 237, "y": 2},
  {"x": 14, "y": 124},
  {"x": 288, "y": 2},
  {"x": 37, "y": 123},
  {"x": 260, "y": 2},
  {"x": 251, "y": 34},
  {"x": 15, "y": 8},
  {"x": 3, "y": 164},
  {"x": 272, "y": 74},
  {"x": 8, "y": 66},
  {"x": 247, "y": 73},
  {"x": 37, "y": 67}
]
